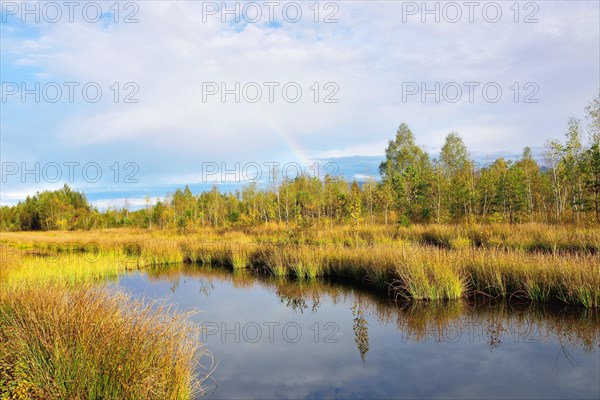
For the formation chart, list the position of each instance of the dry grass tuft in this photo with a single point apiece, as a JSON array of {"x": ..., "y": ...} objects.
[{"x": 64, "y": 342}]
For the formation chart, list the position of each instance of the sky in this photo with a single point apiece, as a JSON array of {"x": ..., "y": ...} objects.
[{"x": 134, "y": 98}]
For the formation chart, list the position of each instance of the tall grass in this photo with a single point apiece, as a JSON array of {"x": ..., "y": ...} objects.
[
  {"x": 430, "y": 280},
  {"x": 76, "y": 343},
  {"x": 62, "y": 338},
  {"x": 539, "y": 263}
]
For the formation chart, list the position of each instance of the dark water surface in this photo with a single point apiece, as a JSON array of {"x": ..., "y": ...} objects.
[{"x": 281, "y": 339}]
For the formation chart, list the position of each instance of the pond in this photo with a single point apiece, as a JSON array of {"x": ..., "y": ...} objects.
[{"x": 276, "y": 338}]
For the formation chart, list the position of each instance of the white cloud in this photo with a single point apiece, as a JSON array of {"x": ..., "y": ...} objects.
[
  {"x": 363, "y": 149},
  {"x": 368, "y": 54},
  {"x": 134, "y": 203}
]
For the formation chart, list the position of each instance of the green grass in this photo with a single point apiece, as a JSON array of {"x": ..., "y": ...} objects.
[{"x": 63, "y": 268}]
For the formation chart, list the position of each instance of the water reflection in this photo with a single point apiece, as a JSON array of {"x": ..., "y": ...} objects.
[
  {"x": 419, "y": 321},
  {"x": 356, "y": 343},
  {"x": 361, "y": 330}
]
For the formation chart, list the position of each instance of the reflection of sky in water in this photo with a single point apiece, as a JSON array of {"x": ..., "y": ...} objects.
[{"x": 396, "y": 366}]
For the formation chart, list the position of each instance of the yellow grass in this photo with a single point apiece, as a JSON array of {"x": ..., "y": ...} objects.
[
  {"x": 425, "y": 262},
  {"x": 62, "y": 338}
]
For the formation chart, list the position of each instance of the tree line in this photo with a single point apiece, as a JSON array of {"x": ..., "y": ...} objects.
[{"x": 413, "y": 187}]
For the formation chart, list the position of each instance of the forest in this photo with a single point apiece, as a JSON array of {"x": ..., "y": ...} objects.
[{"x": 563, "y": 187}]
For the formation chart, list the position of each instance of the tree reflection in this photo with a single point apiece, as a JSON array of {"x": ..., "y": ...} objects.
[
  {"x": 361, "y": 331},
  {"x": 492, "y": 322},
  {"x": 295, "y": 303},
  {"x": 494, "y": 330}
]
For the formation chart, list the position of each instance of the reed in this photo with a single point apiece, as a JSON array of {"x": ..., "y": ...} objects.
[
  {"x": 64, "y": 342},
  {"x": 62, "y": 338},
  {"x": 534, "y": 262},
  {"x": 430, "y": 279}
]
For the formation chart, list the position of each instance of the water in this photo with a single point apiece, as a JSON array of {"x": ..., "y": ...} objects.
[{"x": 274, "y": 338}]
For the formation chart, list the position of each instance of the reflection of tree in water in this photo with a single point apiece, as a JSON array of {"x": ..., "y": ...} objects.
[
  {"x": 563, "y": 350},
  {"x": 294, "y": 303},
  {"x": 174, "y": 285},
  {"x": 316, "y": 303},
  {"x": 298, "y": 303},
  {"x": 297, "y": 294},
  {"x": 418, "y": 321},
  {"x": 206, "y": 288},
  {"x": 361, "y": 332},
  {"x": 493, "y": 322},
  {"x": 494, "y": 329}
]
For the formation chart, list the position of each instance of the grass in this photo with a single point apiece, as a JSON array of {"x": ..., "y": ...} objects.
[
  {"x": 93, "y": 343},
  {"x": 423, "y": 279},
  {"x": 62, "y": 338},
  {"x": 539, "y": 263},
  {"x": 39, "y": 270}
]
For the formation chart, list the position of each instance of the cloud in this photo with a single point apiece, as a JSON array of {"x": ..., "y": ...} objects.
[
  {"x": 134, "y": 203},
  {"x": 171, "y": 54}
]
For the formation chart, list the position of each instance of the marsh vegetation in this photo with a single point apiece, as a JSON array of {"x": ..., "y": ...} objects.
[
  {"x": 532, "y": 262},
  {"x": 63, "y": 337}
]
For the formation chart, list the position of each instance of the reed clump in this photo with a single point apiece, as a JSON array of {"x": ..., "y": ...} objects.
[
  {"x": 430, "y": 278},
  {"x": 62, "y": 338},
  {"x": 64, "y": 342}
]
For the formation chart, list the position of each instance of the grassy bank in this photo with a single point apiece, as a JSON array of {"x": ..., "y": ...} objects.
[
  {"x": 59, "y": 340},
  {"x": 539, "y": 263}
]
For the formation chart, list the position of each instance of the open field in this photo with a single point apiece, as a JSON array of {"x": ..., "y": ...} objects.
[{"x": 534, "y": 262}]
